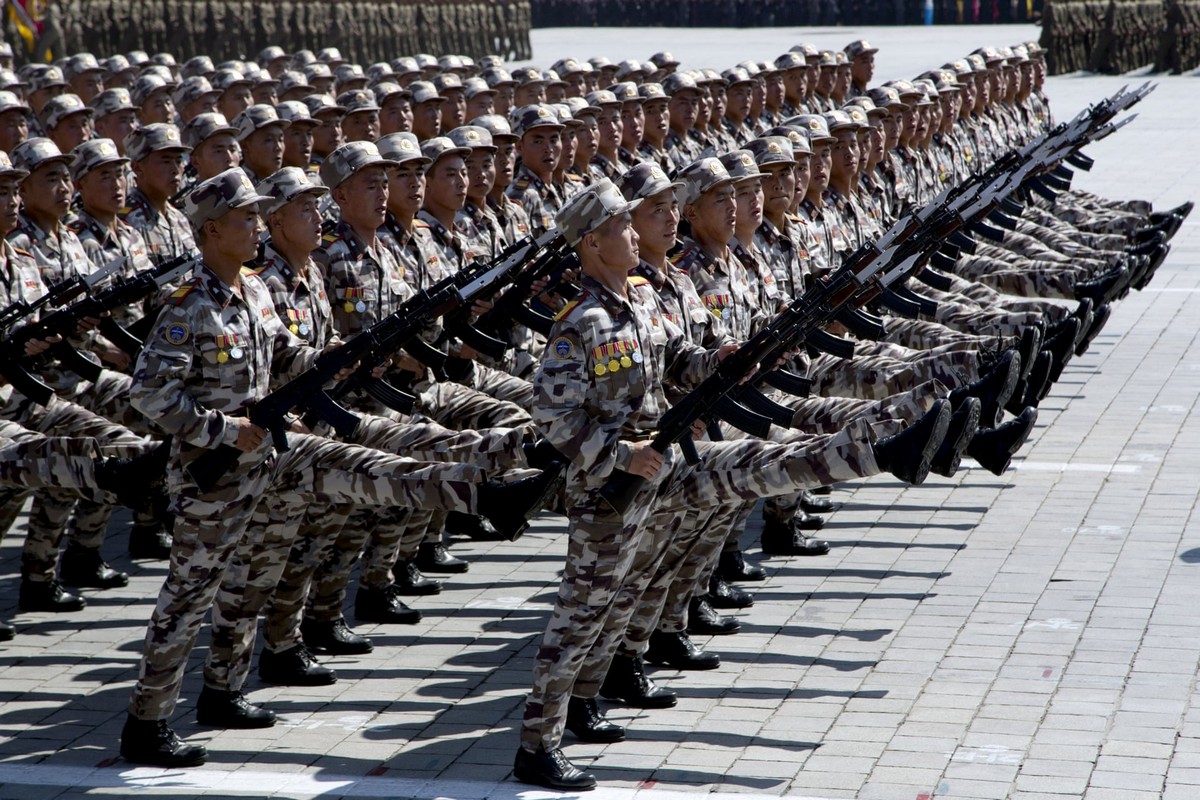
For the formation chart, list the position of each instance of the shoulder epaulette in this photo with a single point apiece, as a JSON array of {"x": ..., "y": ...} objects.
[
  {"x": 124, "y": 212},
  {"x": 418, "y": 223},
  {"x": 637, "y": 280},
  {"x": 248, "y": 270},
  {"x": 179, "y": 294},
  {"x": 21, "y": 252},
  {"x": 567, "y": 309},
  {"x": 330, "y": 238},
  {"x": 521, "y": 184}
]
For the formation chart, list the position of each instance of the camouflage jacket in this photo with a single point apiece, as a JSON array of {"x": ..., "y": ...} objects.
[
  {"x": 58, "y": 254},
  {"x": 681, "y": 305},
  {"x": 764, "y": 291},
  {"x": 452, "y": 246},
  {"x": 364, "y": 283},
  {"x": 481, "y": 230},
  {"x": 298, "y": 295},
  {"x": 723, "y": 285},
  {"x": 514, "y": 222},
  {"x": 599, "y": 388},
  {"x": 415, "y": 251},
  {"x": 104, "y": 245},
  {"x": 166, "y": 235},
  {"x": 787, "y": 258},
  {"x": 212, "y": 352},
  {"x": 540, "y": 200}
]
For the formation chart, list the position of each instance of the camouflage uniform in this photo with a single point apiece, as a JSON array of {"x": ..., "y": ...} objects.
[
  {"x": 166, "y": 235},
  {"x": 539, "y": 200}
]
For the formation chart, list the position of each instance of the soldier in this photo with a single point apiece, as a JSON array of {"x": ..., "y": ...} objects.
[
  {"x": 600, "y": 392},
  {"x": 862, "y": 66},
  {"x": 45, "y": 83},
  {"x": 656, "y": 125},
  {"x": 327, "y": 136},
  {"x": 540, "y": 150},
  {"x": 454, "y": 109},
  {"x": 14, "y": 121},
  {"x": 427, "y": 110},
  {"x": 395, "y": 108},
  {"x": 234, "y": 92},
  {"x": 85, "y": 76},
  {"x": 115, "y": 116},
  {"x": 260, "y": 134},
  {"x": 151, "y": 96},
  {"x": 500, "y": 81},
  {"x": 156, "y": 153},
  {"x": 214, "y": 146},
  {"x": 194, "y": 96},
  {"x": 298, "y": 135},
  {"x": 67, "y": 121},
  {"x": 610, "y": 130},
  {"x": 514, "y": 222},
  {"x": 361, "y": 121}
]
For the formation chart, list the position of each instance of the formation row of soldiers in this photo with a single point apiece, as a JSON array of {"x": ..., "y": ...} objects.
[
  {"x": 366, "y": 30},
  {"x": 322, "y": 195},
  {"x": 1116, "y": 36},
  {"x": 768, "y": 13}
]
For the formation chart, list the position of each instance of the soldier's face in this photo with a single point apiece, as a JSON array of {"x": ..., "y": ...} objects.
[
  {"x": 541, "y": 149},
  {"x": 749, "y": 198},
  {"x": 327, "y": 136},
  {"x": 361, "y": 126},
  {"x": 481, "y": 174},
  {"x": 480, "y": 105},
  {"x": 779, "y": 188},
  {"x": 862, "y": 68},
  {"x": 363, "y": 197},
  {"x": 14, "y": 129},
  {"x": 908, "y": 119},
  {"x": 717, "y": 110},
  {"x": 72, "y": 131},
  {"x": 299, "y": 222},
  {"x": 802, "y": 173},
  {"x": 265, "y": 93},
  {"x": 845, "y": 156},
  {"x": 569, "y": 146},
  {"x": 738, "y": 98},
  {"x": 47, "y": 191},
  {"x": 656, "y": 221},
  {"x": 216, "y": 154},
  {"x": 454, "y": 110},
  {"x": 406, "y": 188},
  {"x": 446, "y": 184},
  {"x": 427, "y": 119},
  {"x": 396, "y": 116},
  {"x": 263, "y": 150},
  {"x": 876, "y": 142},
  {"x": 10, "y": 204},
  {"x": 615, "y": 243},
  {"x": 822, "y": 159},
  {"x": 556, "y": 93},
  {"x": 775, "y": 89},
  {"x": 87, "y": 86},
  {"x": 576, "y": 85},
  {"x": 587, "y": 139},
  {"x": 841, "y": 84},
  {"x": 117, "y": 126},
  {"x": 234, "y": 101},
  {"x": 633, "y": 124},
  {"x": 610, "y": 127},
  {"x": 160, "y": 174},
  {"x": 658, "y": 119},
  {"x": 201, "y": 105},
  {"x": 794, "y": 83},
  {"x": 103, "y": 189},
  {"x": 891, "y": 130},
  {"x": 506, "y": 163},
  {"x": 529, "y": 94},
  {"x": 714, "y": 215},
  {"x": 505, "y": 98},
  {"x": 683, "y": 109},
  {"x": 235, "y": 234},
  {"x": 42, "y": 96},
  {"x": 812, "y": 77},
  {"x": 297, "y": 145}
]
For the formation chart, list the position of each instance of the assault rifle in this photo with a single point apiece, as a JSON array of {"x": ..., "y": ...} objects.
[
  {"x": 64, "y": 323},
  {"x": 371, "y": 348}
]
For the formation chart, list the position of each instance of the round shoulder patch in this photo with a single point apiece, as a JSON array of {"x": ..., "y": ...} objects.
[
  {"x": 177, "y": 333},
  {"x": 562, "y": 347}
]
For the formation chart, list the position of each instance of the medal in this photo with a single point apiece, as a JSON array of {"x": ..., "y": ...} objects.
[
  {"x": 626, "y": 362},
  {"x": 304, "y": 329},
  {"x": 637, "y": 358},
  {"x": 236, "y": 352},
  {"x": 294, "y": 328},
  {"x": 360, "y": 306},
  {"x": 349, "y": 307},
  {"x": 222, "y": 357},
  {"x": 599, "y": 369},
  {"x": 614, "y": 366}
]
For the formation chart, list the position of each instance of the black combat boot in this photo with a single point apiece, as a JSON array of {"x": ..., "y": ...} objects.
[
  {"x": 293, "y": 667},
  {"x": 627, "y": 682},
  {"x": 733, "y": 566},
  {"x": 382, "y": 604},
  {"x": 152, "y": 741},
  {"x": 703, "y": 620},
  {"x": 588, "y": 724},
  {"x": 509, "y": 506},
  {"x": 81, "y": 566},
  {"x": 410, "y": 581},
  {"x": 334, "y": 637},
  {"x": 963, "y": 424},
  {"x": 551, "y": 769},
  {"x": 678, "y": 651},
  {"x": 909, "y": 453},
  {"x": 994, "y": 448},
  {"x": 226, "y": 709},
  {"x": 48, "y": 596}
]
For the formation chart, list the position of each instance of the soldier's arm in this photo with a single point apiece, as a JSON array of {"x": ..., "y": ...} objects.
[{"x": 687, "y": 364}]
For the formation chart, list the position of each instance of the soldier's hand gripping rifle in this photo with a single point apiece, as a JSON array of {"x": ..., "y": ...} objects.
[
  {"x": 371, "y": 348},
  {"x": 64, "y": 323}
]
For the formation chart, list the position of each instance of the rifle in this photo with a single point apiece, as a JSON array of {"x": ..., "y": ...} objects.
[
  {"x": 369, "y": 349},
  {"x": 64, "y": 322}
]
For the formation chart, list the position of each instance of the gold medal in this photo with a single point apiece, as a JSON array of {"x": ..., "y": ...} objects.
[
  {"x": 294, "y": 328},
  {"x": 349, "y": 307},
  {"x": 614, "y": 366},
  {"x": 600, "y": 370},
  {"x": 222, "y": 357},
  {"x": 626, "y": 362}
]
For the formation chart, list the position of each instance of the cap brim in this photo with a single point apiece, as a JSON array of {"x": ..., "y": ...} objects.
[
  {"x": 251, "y": 200},
  {"x": 394, "y": 162},
  {"x": 462, "y": 152}
]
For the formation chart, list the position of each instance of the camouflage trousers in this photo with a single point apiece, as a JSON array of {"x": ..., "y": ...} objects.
[
  {"x": 987, "y": 297},
  {"x": 1043, "y": 259},
  {"x": 1115, "y": 240},
  {"x": 502, "y": 386},
  {"x": 52, "y": 507},
  {"x": 961, "y": 312},
  {"x": 211, "y": 536},
  {"x": 30, "y": 460},
  {"x": 880, "y": 374},
  {"x": 927, "y": 335},
  {"x": 1023, "y": 280},
  {"x": 611, "y": 558}
]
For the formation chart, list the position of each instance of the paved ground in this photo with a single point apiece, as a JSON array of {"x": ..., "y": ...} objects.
[{"x": 1032, "y": 636}]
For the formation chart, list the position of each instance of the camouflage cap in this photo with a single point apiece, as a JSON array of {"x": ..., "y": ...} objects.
[
  {"x": 399, "y": 148},
  {"x": 451, "y": 63},
  {"x": 827, "y": 58},
  {"x": 1020, "y": 55},
  {"x": 838, "y": 120},
  {"x": 92, "y": 154},
  {"x": 79, "y": 64},
  {"x": 816, "y": 125},
  {"x": 527, "y": 118},
  {"x": 10, "y": 80},
  {"x": 929, "y": 92},
  {"x": 406, "y": 65},
  {"x": 424, "y": 92},
  {"x": 701, "y": 176},
  {"x": 473, "y": 87},
  {"x": 645, "y": 179},
  {"x": 286, "y": 185},
  {"x": 225, "y": 79},
  {"x": 858, "y": 48},
  {"x": 442, "y": 147},
  {"x": 110, "y": 101},
  {"x": 632, "y": 70},
  {"x": 426, "y": 61},
  {"x": 358, "y": 101},
  {"x": 193, "y": 89},
  {"x": 317, "y": 71},
  {"x": 115, "y": 65},
  {"x": 806, "y": 49},
  {"x": 59, "y": 108},
  {"x": 319, "y": 104},
  {"x": 153, "y": 138},
  {"x": 198, "y": 66},
  {"x": 960, "y": 67},
  {"x": 497, "y": 126},
  {"x": 10, "y": 102},
  {"x": 472, "y": 137},
  {"x": 380, "y": 71},
  {"x": 590, "y": 209},
  {"x": 291, "y": 79},
  {"x": 797, "y": 138},
  {"x": 579, "y": 107},
  {"x": 159, "y": 71},
  {"x": 568, "y": 66},
  {"x": 386, "y": 90},
  {"x": 37, "y": 152},
  {"x": 137, "y": 57},
  {"x": 735, "y": 75},
  {"x": 600, "y": 63},
  {"x": 872, "y": 111},
  {"x": 552, "y": 78},
  {"x": 626, "y": 92},
  {"x": 563, "y": 112},
  {"x": 978, "y": 65},
  {"x": 331, "y": 56},
  {"x": 302, "y": 58},
  {"x": 43, "y": 77},
  {"x": 202, "y": 126},
  {"x": 489, "y": 61},
  {"x": 652, "y": 91},
  {"x": 7, "y": 170},
  {"x": 768, "y": 150},
  {"x": 347, "y": 160},
  {"x": 296, "y": 113},
  {"x": 498, "y": 76},
  {"x": 144, "y": 87},
  {"x": 904, "y": 89},
  {"x": 790, "y": 60},
  {"x": 220, "y": 194},
  {"x": 601, "y": 98},
  {"x": 525, "y": 76},
  {"x": 946, "y": 86},
  {"x": 741, "y": 166},
  {"x": 271, "y": 54},
  {"x": 663, "y": 59},
  {"x": 886, "y": 97},
  {"x": 256, "y": 117},
  {"x": 990, "y": 55},
  {"x": 679, "y": 82},
  {"x": 857, "y": 115},
  {"x": 711, "y": 77},
  {"x": 447, "y": 81},
  {"x": 347, "y": 73}
]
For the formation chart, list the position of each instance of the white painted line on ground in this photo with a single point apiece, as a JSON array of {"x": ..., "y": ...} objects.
[
  {"x": 195, "y": 782},
  {"x": 1063, "y": 466},
  {"x": 1172, "y": 290}
]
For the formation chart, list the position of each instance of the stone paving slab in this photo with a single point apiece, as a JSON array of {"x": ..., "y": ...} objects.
[{"x": 1031, "y": 636}]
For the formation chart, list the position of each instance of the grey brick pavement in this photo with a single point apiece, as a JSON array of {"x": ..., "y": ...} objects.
[{"x": 1032, "y": 636}]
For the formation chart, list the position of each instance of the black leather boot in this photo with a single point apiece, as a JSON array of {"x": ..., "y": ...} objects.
[
  {"x": 551, "y": 769},
  {"x": 226, "y": 709},
  {"x": 293, "y": 667},
  {"x": 627, "y": 682},
  {"x": 588, "y": 724},
  {"x": 152, "y": 741},
  {"x": 678, "y": 651},
  {"x": 334, "y": 637}
]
